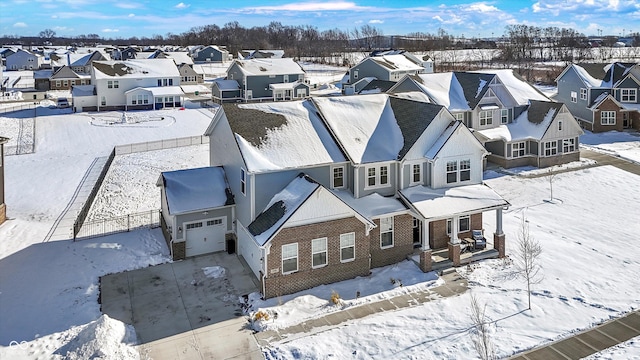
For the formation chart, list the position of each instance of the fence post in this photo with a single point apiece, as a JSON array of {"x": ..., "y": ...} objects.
[{"x": 128, "y": 223}]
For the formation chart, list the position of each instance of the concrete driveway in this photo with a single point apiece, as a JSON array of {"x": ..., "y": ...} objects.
[{"x": 188, "y": 309}]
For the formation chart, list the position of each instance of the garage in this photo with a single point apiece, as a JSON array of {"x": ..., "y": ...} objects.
[{"x": 206, "y": 236}]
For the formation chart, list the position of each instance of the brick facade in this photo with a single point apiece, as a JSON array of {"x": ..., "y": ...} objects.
[
  {"x": 607, "y": 105},
  {"x": 438, "y": 237},
  {"x": 402, "y": 242},
  {"x": 277, "y": 284},
  {"x": 179, "y": 250}
]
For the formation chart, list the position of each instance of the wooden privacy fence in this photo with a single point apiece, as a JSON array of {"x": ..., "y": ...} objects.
[
  {"x": 161, "y": 144},
  {"x": 146, "y": 219}
]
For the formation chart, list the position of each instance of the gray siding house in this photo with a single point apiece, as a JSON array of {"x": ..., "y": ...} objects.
[
  {"x": 23, "y": 60},
  {"x": 602, "y": 97},
  {"x": 315, "y": 204},
  {"x": 210, "y": 54},
  {"x": 254, "y": 76}
]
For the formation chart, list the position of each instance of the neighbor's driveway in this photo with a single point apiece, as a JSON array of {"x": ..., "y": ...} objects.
[{"x": 181, "y": 313}]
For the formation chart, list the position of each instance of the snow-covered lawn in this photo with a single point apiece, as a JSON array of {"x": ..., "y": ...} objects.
[
  {"x": 623, "y": 144},
  {"x": 48, "y": 291},
  {"x": 590, "y": 267}
]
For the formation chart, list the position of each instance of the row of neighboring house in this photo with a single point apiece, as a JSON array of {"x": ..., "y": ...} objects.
[
  {"x": 602, "y": 97},
  {"x": 319, "y": 190}
]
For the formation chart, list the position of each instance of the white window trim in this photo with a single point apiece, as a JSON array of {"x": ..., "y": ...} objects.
[
  {"x": 574, "y": 97},
  {"x": 609, "y": 118},
  {"x": 524, "y": 148},
  {"x": 504, "y": 116},
  {"x": 568, "y": 143},
  {"x": 583, "y": 94},
  {"x": 378, "y": 169},
  {"x": 448, "y": 225},
  {"x": 632, "y": 96},
  {"x": 344, "y": 173},
  {"x": 344, "y": 247},
  {"x": 553, "y": 150},
  {"x": 488, "y": 121},
  {"x": 289, "y": 258},
  {"x": 325, "y": 251},
  {"x": 393, "y": 240},
  {"x": 243, "y": 181},
  {"x": 411, "y": 173},
  {"x": 454, "y": 171}
]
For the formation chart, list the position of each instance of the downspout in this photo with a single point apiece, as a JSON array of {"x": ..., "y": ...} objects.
[{"x": 264, "y": 267}]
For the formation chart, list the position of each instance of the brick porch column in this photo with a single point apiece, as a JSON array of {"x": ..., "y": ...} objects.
[
  {"x": 454, "y": 253},
  {"x": 498, "y": 244},
  {"x": 425, "y": 260}
]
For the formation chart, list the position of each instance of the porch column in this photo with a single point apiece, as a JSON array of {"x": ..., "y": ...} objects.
[
  {"x": 454, "y": 230},
  {"x": 425, "y": 235},
  {"x": 454, "y": 242},
  {"x": 499, "y": 236}
]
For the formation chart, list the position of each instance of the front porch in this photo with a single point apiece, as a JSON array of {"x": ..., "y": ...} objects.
[{"x": 440, "y": 258}]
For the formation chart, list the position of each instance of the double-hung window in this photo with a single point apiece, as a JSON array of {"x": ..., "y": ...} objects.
[
  {"x": 504, "y": 116},
  {"x": 452, "y": 172},
  {"x": 465, "y": 170},
  {"x": 629, "y": 95},
  {"x": 486, "y": 117},
  {"x": 464, "y": 224},
  {"x": 289, "y": 258},
  {"x": 377, "y": 176},
  {"x": 416, "y": 173},
  {"x": 386, "y": 232},
  {"x": 347, "y": 247},
  {"x": 583, "y": 94},
  {"x": 318, "y": 252},
  {"x": 568, "y": 145},
  {"x": 338, "y": 177},
  {"x": 518, "y": 149},
  {"x": 574, "y": 97},
  {"x": 608, "y": 118},
  {"x": 550, "y": 148}
]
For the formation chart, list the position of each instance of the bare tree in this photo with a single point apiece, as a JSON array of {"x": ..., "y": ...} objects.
[
  {"x": 552, "y": 178},
  {"x": 482, "y": 342},
  {"x": 527, "y": 258},
  {"x": 47, "y": 34}
]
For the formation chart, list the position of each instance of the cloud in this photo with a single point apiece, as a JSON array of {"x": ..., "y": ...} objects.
[
  {"x": 131, "y": 15},
  {"x": 110, "y": 30},
  {"x": 437, "y": 17},
  {"x": 182, "y": 6},
  {"x": 20, "y": 25},
  {"x": 309, "y": 6},
  {"x": 376, "y": 21},
  {"x": 481, "y": 7},
  {"x": 127, "y": 5}
]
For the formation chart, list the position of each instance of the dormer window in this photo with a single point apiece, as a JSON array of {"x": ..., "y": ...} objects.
[
  {"x": 377, "y": 176},
  {"x": 628, "y": 95}
]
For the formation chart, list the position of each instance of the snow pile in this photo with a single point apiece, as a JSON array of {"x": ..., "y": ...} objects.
[
  {"x": 102, "y": 339},
  {"x": 214, "y": 272}
]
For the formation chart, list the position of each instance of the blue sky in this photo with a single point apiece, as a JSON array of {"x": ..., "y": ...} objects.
[{"x": 126, "y": 18}]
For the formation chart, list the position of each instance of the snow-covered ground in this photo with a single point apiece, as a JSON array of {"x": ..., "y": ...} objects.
[
  {"x": 623, "y": 144},
  {"x": 48, "y": 291}
]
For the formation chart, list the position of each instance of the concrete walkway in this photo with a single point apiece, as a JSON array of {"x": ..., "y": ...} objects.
[
  {"x": 454, "y": 285},
  {"x": 606, "y": 159},
  {"x": 588, "y": 342}
]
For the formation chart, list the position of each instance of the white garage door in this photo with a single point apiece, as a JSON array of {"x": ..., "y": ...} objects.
[{"x": 205, "y": 236}]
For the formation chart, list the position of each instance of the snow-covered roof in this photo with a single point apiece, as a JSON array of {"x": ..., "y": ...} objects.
[
  {"x": 196, "y": 189},
  {"x": 281, "y": 135},
  {"x": 135, "y": 68},
  {"x": 227, "y": 85},
  {"x": 396, "y": 63},
  {"x": 531, "y": 124},
  {"x": 285, "y": 86},
  {"x": 446, "y": 202},
  {"x": 373, "y": 205},
  {"x": 281, "y": 207},
  {"x": 271, "y": 66},
  {"x": 588, "y": 80},
  {"x": 83, "y": 90},
  {"x": 365, "y": 125},
  {"x": 443, "y": 89},
  {"x": 191, "y": 89},
  {"x": 160, "y": 90},
  {"x": 520, "y": 90},
  {"x": 446, "y": 134},
  {"x": 180, "y": 57}
]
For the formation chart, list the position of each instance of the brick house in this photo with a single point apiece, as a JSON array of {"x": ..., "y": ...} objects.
[{"x": 325, "y": 189}]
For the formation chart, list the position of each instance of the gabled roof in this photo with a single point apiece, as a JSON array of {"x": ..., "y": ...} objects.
[
  {"x": 195, "y": 189},
  {"x": 65, "y": 72},
  {"x": 376, "y": 86},
  {"x": 616, "y": 72},
  {"x": 274, "y": 66},
  {"x": 442, "y": 139},
  {"x": 532, "y": 123},
  {"x": 286, "y": 203},
  {"x": 519, "y": 89},
  {"x": 281, "y": 135},
  {"x": 376, "y": 127},
  {"x": 601, "y": 98},
  {"x": 395, "y": 63},
  {"x": 442, "y": 88},
  {"x": 135, "y": 68},
  {"x": 474, "y": 86},
  {"x": 85, "y": 59},
  {"x": 227, "y": 85}
]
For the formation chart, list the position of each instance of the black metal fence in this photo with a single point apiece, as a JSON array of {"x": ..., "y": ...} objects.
[
  {"x": 82, "y": 215},
  {"x": 120, "y": 224}
]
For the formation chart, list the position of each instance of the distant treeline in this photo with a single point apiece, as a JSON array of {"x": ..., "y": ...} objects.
[{"x": 518, "y": 43}]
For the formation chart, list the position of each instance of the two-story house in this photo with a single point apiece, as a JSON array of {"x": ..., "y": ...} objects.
[
  {"x": 602, "y": 97},
  {"x": 501, "y": 107},
  {"x": 136, "y": 84},
  {"x": 256, "y": 76},
  {"x": 324, "y": 189},
  {"x": 24, "y": 60},
  {"x": 211, "y": 54}
]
